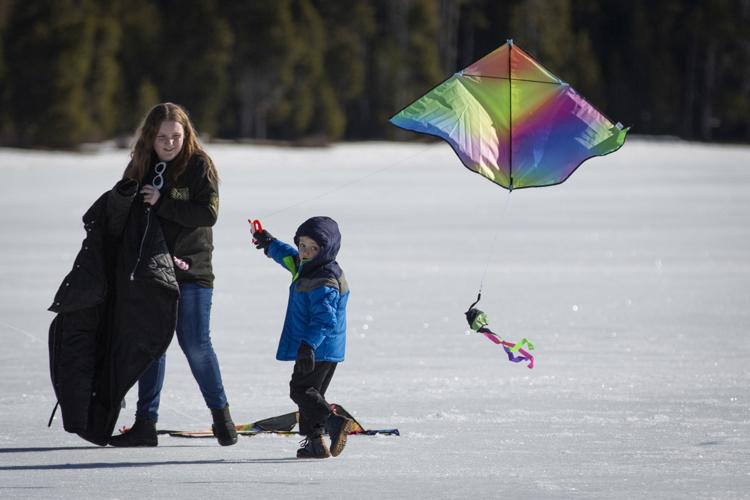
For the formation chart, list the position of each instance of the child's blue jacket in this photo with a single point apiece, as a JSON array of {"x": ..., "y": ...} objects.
[{"x": 316, "y": 310}]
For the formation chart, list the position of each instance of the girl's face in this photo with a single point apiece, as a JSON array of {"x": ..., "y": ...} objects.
[
  {"x": 308, "y": 249},
  {"x": 168, "y": 141}
]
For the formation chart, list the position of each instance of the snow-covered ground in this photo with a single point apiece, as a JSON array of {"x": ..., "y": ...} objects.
[{"x": 632, "y": 278}]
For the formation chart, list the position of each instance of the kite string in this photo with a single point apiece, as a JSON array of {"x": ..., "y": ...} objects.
[
  {"x": 491, "y": 249},
  {"x": 33, "y": 337},
  {"x": 346, "y": 184}
]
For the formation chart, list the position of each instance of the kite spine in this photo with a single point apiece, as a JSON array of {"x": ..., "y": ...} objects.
[{"x": 510, "y": 117}]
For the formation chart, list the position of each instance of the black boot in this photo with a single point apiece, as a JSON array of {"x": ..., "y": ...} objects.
[
  {"x": 143, "y": 433},
  {"x": 223, "y": 428},
  {"x": 339, "y": 428},
  {"x": 313, "y": 447}
]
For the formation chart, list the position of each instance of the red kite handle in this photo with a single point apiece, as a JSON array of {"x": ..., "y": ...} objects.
[{"x": 257, "y": 227}]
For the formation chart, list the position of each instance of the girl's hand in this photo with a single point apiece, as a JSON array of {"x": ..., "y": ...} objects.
[
  {"x": 150, "y": 194},
  {"x": 178, "y": 262}
]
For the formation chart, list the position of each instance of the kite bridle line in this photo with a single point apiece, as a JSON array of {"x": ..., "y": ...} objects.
[
  {"x": 479, "y": 297},
  {"x": 505, "y": 214}
]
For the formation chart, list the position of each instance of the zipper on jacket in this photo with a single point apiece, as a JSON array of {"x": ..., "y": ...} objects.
[
  {"x": 143, "y": 240},
  {"x": 53, "y": 371}
]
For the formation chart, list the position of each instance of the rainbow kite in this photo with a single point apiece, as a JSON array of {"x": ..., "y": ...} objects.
[{"x": 512, "y": 121}]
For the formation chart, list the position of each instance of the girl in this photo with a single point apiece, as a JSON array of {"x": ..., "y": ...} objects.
[{"x": 179, "y": 184}]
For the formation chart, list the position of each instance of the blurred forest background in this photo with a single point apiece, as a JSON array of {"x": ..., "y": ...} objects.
[{"x": 313, "y": 71}]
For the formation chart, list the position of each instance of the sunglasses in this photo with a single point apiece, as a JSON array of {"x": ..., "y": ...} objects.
[{"x": 158, "y": 181}]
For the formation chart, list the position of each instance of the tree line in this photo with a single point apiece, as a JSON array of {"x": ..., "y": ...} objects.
[{"x": 74, "y": 71}]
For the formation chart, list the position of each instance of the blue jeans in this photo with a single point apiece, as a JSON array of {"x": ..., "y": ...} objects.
[{"x": 193, "y": 335}]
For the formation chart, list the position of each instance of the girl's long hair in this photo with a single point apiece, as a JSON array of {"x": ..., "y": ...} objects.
[{"x": 143, "y": 151}]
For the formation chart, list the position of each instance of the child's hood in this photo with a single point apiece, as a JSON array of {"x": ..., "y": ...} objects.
[{"x": 325, "y": 232}]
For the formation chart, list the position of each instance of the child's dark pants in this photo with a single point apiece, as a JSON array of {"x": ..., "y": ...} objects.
[{"x": 308, "y": 391}]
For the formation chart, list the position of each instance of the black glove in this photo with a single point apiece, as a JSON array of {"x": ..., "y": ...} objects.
[
  {"x": 119, "y": 200},
  {"x": 262, "y": 239},
  {"x": 126, "y": 187},
  {"x": 305, "y": 358}
]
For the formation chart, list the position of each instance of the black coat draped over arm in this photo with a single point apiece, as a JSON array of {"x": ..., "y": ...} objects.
[{"x": 116, "y": 313}]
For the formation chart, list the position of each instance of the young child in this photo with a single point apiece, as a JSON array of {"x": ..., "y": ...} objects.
[{"x": 314, "y": 333}]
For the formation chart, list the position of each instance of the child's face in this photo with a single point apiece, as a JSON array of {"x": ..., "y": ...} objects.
[
  {"x": 168, "y": 141},
  {"x": 308, "y": 249}
]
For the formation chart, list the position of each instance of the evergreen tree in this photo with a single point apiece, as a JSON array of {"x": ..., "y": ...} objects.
[
  {"x": 349, "y": 34},
  {"x": 610, "y": 29},
  {"x": 75, "y": 70},
  {"x": 5, "y": 122},
  {"x": 195, "y": 58},
  {"x": 544, "y": 28},
  {"x": 329, "y": 120},
  {"x": 146, "y": 98},
  {"x": 485, "y": 26},
  {"x": 725, "y": 101},
  {"x": 448, "y": 21},
  {"x": 387, "y": 74},
  {"x": 103, "y": 80},
  {"x": 140, "y": 57},
  {"x": 308, "y": 70},
  {"x": 407, "y": 63},
  {"x": 49, "y": 51},
  {"x": 422, "y": 55},
  {"x": 262, "y": 65}
]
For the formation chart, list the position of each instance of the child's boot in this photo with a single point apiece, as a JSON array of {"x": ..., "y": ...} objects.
[
  {"x": 339, "y": 428},
  {"x": 313, "y": 447},
  {"x": 223, "y": 427},
  {"x": 143, "y": 433}
]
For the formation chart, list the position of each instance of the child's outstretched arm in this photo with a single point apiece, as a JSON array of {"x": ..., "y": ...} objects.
[{"x": 285, "y": 255}]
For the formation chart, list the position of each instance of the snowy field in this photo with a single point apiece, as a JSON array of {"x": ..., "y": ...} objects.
[{"x": 632, "y": 278}]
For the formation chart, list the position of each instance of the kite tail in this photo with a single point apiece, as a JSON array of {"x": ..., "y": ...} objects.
[
  {"x": 524, "y": 356},
  {"x": 519, "y": 345},
  {"x": 490, "y": 335},
  {"x": 510, "y": 348},
  {"x": 512, "y": 357}
]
